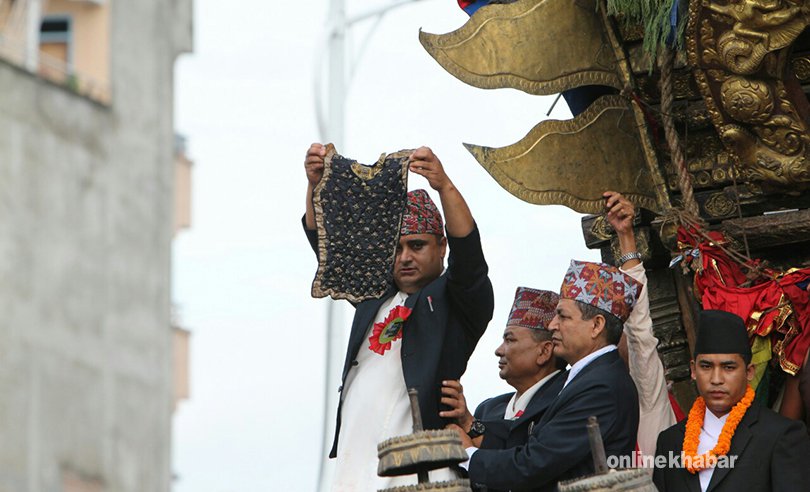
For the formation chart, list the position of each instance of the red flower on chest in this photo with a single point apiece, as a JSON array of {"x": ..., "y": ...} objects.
[{"x": 388, "y": 330}]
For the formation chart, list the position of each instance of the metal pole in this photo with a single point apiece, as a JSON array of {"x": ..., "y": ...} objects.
[
  {"x": 376, "y": 12},
  {"x": 413, "y": 395},
  {"x": 597, "y": 447},
  {"x": 334, "y": 133},
  {"x": 337, "y": 73}
]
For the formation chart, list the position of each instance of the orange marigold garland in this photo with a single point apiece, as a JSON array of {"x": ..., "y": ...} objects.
[{"x": 694, "y": 423}]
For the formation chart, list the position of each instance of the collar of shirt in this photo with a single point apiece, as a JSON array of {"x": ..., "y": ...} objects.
[
  {"x": 398, "y": 299},
  {"x": 517, "y": 406},
  {"x": 581, "y": 363},
  {"x": 709, "y": 434}
]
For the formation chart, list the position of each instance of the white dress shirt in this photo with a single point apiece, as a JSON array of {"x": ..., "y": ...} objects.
[
  {"x": 518, "y": 405},
  {"x": 581, "y": 363},
  {"x": 709, "y": 434},
  {"x": 514, "y": 407}
]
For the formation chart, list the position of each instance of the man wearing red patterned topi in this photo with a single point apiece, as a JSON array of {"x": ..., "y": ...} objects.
[
  {"x": 420, "y": 332},
  {"x": 595, "y": 299},
  {"x": 527, "y": 363}
]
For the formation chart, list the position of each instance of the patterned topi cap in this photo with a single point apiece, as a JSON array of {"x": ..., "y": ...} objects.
[
  {"x": 602, "y": 286},
  {"x": 421, "y": 215},
  {"x": 533, "y": 308}
]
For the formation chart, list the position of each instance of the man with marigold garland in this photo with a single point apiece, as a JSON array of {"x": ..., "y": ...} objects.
[
  {"x": 420, "y": 332},
  {"x": 729, "y": 442}
]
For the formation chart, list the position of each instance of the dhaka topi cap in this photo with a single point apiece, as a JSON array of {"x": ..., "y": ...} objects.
[
  {"x": 421, "y": 215},
  {"x": 533, "y": 308},
  {"x": 720, "y": 332},
  {"x": 602, "y": 286}
]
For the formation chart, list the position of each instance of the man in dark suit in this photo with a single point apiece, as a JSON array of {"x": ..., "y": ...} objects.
[
  {"x": 446, "y": 312},
  {"x": 527, "y": 363},
  {"x": 595, "y": 300},
  {"x": 767, "y": 452}
]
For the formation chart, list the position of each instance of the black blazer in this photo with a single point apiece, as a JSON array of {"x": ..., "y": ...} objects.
[
  {"x": 505, "y": 434},
  {"x": 558, "y": 448},
  {"x": 773, "y": 455},
  {"x": 439, "y": 336}
]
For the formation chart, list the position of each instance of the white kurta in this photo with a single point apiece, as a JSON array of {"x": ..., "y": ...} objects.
[
  {"x": 646, "y": 369},
  {"x": 375, "y": 408}
]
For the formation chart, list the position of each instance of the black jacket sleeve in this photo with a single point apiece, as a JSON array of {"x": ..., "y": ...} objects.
[
  {"x": 469, "y": 289},
  {"x": 312, "y": 235}
]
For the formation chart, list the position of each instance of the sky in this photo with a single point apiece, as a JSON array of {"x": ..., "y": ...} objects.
[{"x": 242, "y": 274}]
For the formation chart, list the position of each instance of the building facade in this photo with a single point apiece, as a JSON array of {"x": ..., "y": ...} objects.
[{"x": 87, "y": 181}]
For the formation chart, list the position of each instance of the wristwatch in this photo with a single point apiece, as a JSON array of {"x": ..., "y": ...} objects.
[
  {"x": 476, "y": 429},
  {"x": 633, "y": 255}
]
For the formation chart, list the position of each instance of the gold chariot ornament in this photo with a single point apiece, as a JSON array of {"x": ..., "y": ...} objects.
[
  {"x": 740, "y": 62},
  {"x": 543, "y": 47},
  {"x": 739, "y": 52}
]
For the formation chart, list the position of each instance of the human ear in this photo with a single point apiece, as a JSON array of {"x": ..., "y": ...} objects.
[
  {"x": 544, "y": 354},
  {"x": 598, "y": 326},
  {"x": 750, "y": 371}
]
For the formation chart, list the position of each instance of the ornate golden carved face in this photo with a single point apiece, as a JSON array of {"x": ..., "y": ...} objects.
[{"x": 739, "y": 50}]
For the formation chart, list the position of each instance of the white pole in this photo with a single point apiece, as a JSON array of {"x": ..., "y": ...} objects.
[
  {"x": 337, "y": 74},
  {"x": 334, "y": 133}
]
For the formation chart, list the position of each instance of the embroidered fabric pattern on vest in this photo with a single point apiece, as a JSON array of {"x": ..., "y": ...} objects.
[{"x": 358, "y": 211}]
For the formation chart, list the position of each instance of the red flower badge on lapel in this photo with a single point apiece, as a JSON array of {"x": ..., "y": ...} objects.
[{"x": 388, "y": 330}]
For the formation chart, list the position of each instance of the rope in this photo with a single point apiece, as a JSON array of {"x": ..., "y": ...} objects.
[
  {"x": 739, "y": 205},
  {"x": 673, "y": 141},
  {"x": 696, "y": 226},
  {"x": 692, "y": 215}
]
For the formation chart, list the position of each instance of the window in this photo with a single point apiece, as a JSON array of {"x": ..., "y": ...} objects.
[{"x": 56, "y": 50}]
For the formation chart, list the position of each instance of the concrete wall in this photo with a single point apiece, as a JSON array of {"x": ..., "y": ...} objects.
[{"x": 85, "y": 231}]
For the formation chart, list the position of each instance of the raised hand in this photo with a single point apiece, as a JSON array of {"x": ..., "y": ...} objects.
[
  {"x": 313, "y": 163},
  {"x": 620, "y": 212},
  {"x": 425, "y": 163}
]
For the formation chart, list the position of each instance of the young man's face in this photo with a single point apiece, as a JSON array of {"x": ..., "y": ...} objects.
[
  {"x": 721, "y": 380},
  {"x": 521, "y": 356},
  {"x": 419, "y": 261},
  {"x": 573, "y": 337}
]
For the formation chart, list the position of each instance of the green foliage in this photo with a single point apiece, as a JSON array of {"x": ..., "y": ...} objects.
[
  {"x": 72, "y": 82},
  {"x": 654, "y": 16}
]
